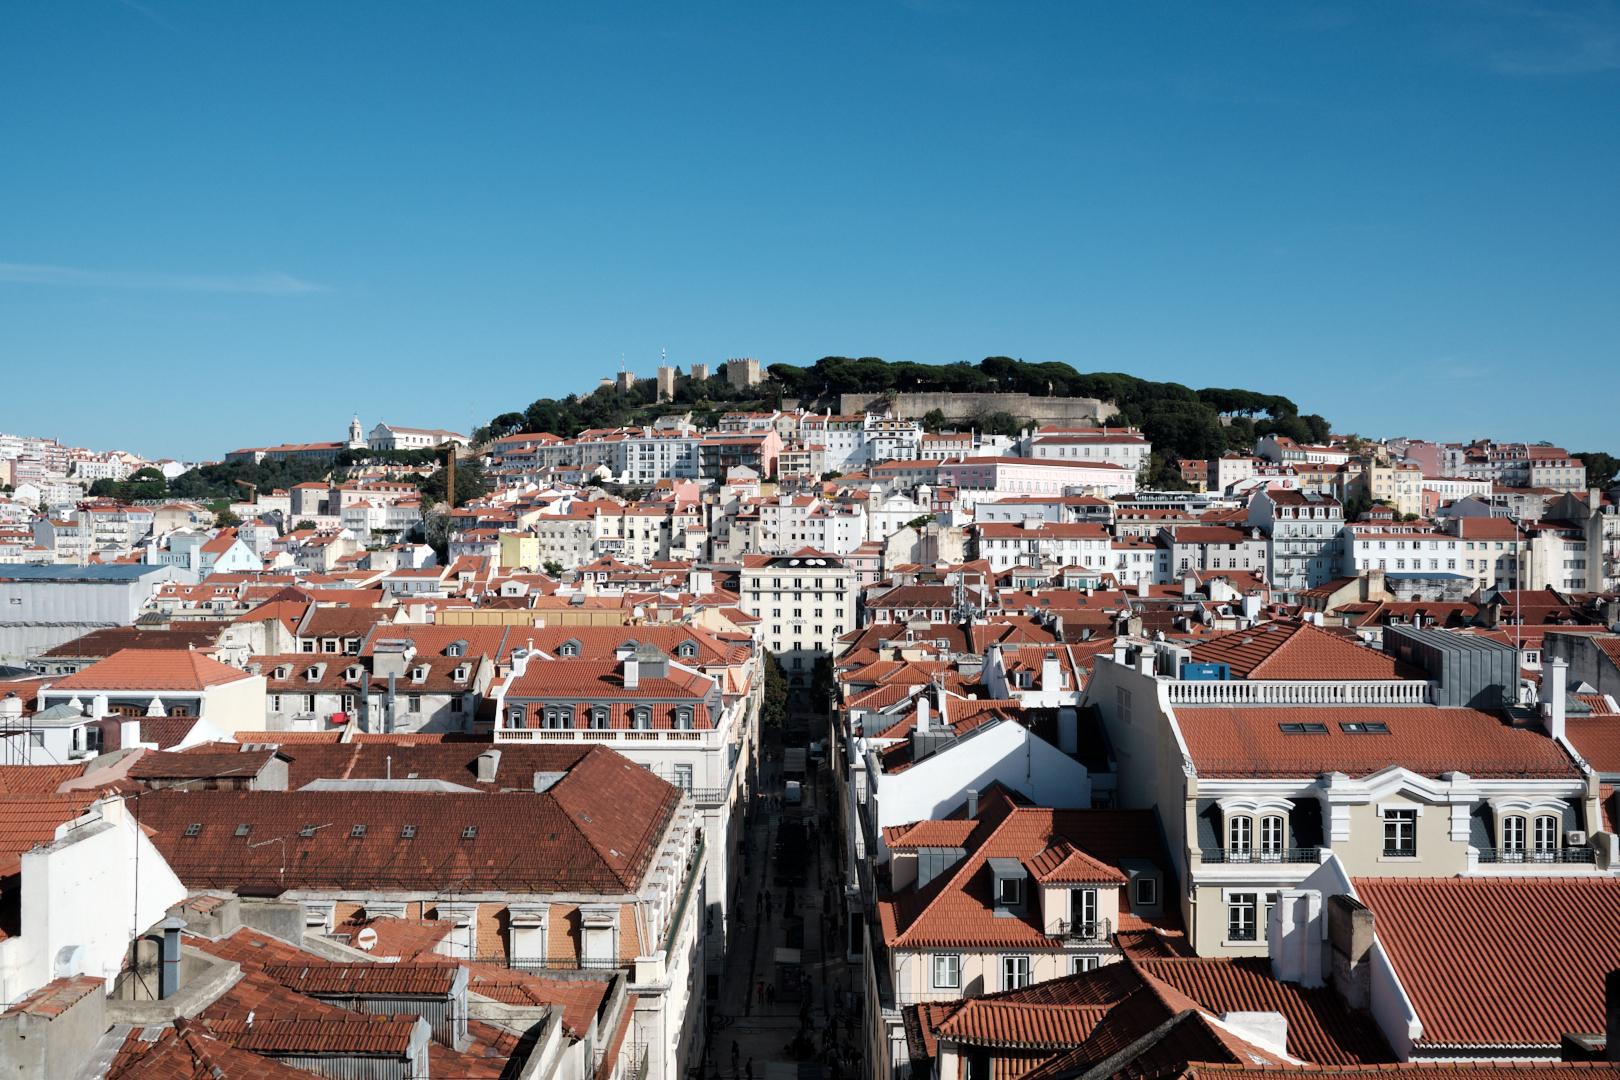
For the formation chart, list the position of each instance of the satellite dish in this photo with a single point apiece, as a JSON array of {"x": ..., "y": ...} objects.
[{"x": 367, "y": 939}]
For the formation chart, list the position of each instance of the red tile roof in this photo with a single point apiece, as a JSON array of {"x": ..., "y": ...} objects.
[
  {"x": 1499, "y": 962},
  {"x": 1597, "y": 738},
  {"x": 31, "y": 820},
  {"x": 36, "y": 779},
  {"x": 957, "y": 908},
  {"x": 56, "y": 997},
  {"x": 1299, "y": 651},
  {"x": 1320, "y": 1028},
  {"x": 1230, "y": 742},
  {"x": 595, "y": 830},
  {"x": 152, "y": 669},
  {"x": 158, "y": 765}
]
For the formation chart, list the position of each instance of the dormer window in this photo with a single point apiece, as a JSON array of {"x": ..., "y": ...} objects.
[
  {"x": 642, "y": 719},
  {"x": 281, "y": 672},
  {"x": 313, "y": 674},
  {"x": 568, "y": 648},
  {"x": 686, "y": 649},
  {"x": 456, "y": 648},
  {"x": 1008, "y": 891},
  {"x": 683, "y": 719},
  {"x": 462, "y": 672},
  {"x": 559, "y": 717},
  {"x": 517, "y": 717},
  {"x": 599, "y": 719}
]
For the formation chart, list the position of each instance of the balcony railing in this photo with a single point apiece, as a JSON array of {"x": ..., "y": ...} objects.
[
  {"x": 1282, "y": 855},
  {"x": 1400, "y": 853},
  {"x": 710, "y": 737},
  {"x": 1265, "y": 692},
  {"x": 1095, "y": 930},
  {"x": 1519, "y": 855}
]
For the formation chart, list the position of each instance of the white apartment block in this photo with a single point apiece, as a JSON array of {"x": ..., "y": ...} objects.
[{"x": 805, "y": 601}]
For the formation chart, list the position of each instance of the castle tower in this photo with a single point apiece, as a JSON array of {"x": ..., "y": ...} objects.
[{"x": 666, "y": 384}]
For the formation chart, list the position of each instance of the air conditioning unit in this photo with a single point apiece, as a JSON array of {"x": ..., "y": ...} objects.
[{"x": 1575, "y": 838}]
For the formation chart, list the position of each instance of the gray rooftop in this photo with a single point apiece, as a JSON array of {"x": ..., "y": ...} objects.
[{"x": 114, "y": 572}]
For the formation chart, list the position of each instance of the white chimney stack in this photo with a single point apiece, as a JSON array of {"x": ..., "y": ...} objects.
[
  {"x": 944, "y": 717},
  {"x": 922, "y": 713},
  {"x": 1142, "y": 585},
  {"x": 1552, "y": 705}
]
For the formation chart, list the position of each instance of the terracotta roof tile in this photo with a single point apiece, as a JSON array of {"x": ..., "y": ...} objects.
[
  {"x": 1299, "y": 651},
  {"x": 1499, "y": 961},
  {"x": 152, "y": 669},
  {"x": 1250, "y": 742},
  {"x": 56, "y": 997},
  {"x": 595, "y": 830}
]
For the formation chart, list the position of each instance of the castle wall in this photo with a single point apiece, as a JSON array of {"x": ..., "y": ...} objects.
[{"x": 1073, "y": 411}]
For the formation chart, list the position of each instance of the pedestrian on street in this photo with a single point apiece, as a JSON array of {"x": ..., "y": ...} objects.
[
  {"x": 749, "y": 1071},
  {"x": 762, "y": 991},
  {"x": 736, "y": 1054},
  {"x": 770, "y": 993}
]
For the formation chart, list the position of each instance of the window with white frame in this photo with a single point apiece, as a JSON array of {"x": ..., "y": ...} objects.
[
  {"x": 1083, "y": 912},
  {"x": 1400, "y": 833},
  {"x": 1240, "y": 916},
  {"x": 1077, "y": 964},
  {"x": 1014, "y": 972},
  {"x": 1273, "y": 837},
  {"x": 1239, "y": 838},
  {"x": 947, "y": 971},
  {"x": 1545, "y": 838}
]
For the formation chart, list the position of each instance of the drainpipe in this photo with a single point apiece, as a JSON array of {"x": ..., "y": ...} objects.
[
  {"x": 169, "y": 980},
  {"x": 388, "y": 721}
]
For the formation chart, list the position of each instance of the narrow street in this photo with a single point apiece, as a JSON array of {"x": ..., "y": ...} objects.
[{"x": 785, "y": 970}]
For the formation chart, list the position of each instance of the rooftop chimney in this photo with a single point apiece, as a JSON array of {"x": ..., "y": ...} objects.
[
  {"x": 1051, "y": 673},
  {"x": 922, "y": 713},
  {"x": 632, "y": 673},
  {"x": 169, "y": 980},
  {"x": 1188, "y": 586},
  {"x": 1552, "y": 703},
  {"x": 973, "y": 806},
  {"x": 1120, "y": 651},
  {"x": 1142, "y": 586},
  {"x": 939, "y": 695}
]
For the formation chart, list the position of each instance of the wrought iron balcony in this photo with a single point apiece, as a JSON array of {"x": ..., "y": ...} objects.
[
  {"x": 1095, "y": 930},
  {"x": 1255, "y": 855},
  {"x": 1520, "y": 855}
]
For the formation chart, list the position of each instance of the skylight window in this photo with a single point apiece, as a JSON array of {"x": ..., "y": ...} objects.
[
  {"x": 357, "y": 833},
  {"x": 1303, "y": 729},
  {"x": 243, "y": 829},
  {"x": 1370, "y": 727},
  {"x": 307, "y": 831},
  {"x": 194, "y": 828},
  {"x": 470, "y": 832},
  {"x": 408, "y": 832}
]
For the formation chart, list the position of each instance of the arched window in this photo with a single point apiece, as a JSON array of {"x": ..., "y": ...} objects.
[
  {"x": 517, "y": 717},
  {"x": 1273, "y": 837},
  {"x": 560, "y": 717},
  {"x": 642, "y": 719},
  {"x": 1239, "y": 838},
  {"x": 1512, "y": 844},
  {"x": 683, "y": 719},
  {"x": 599, "y": 719},
  {"x": 1546, "y": 838},
  {"x": 686, "y": 649},
  {"x": 569, "y": 648}
]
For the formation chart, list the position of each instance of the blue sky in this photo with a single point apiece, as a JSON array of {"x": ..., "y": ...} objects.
[{"x": 233, "y": 224}]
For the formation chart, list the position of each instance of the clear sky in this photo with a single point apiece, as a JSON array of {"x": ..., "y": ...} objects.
[{"x": 228, "y": 224}]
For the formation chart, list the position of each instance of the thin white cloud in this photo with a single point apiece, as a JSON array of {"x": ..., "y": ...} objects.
[{"x": 267, "y": 283}]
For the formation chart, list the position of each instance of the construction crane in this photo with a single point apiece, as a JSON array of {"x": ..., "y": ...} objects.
[{"x": 253, "y": 492}]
